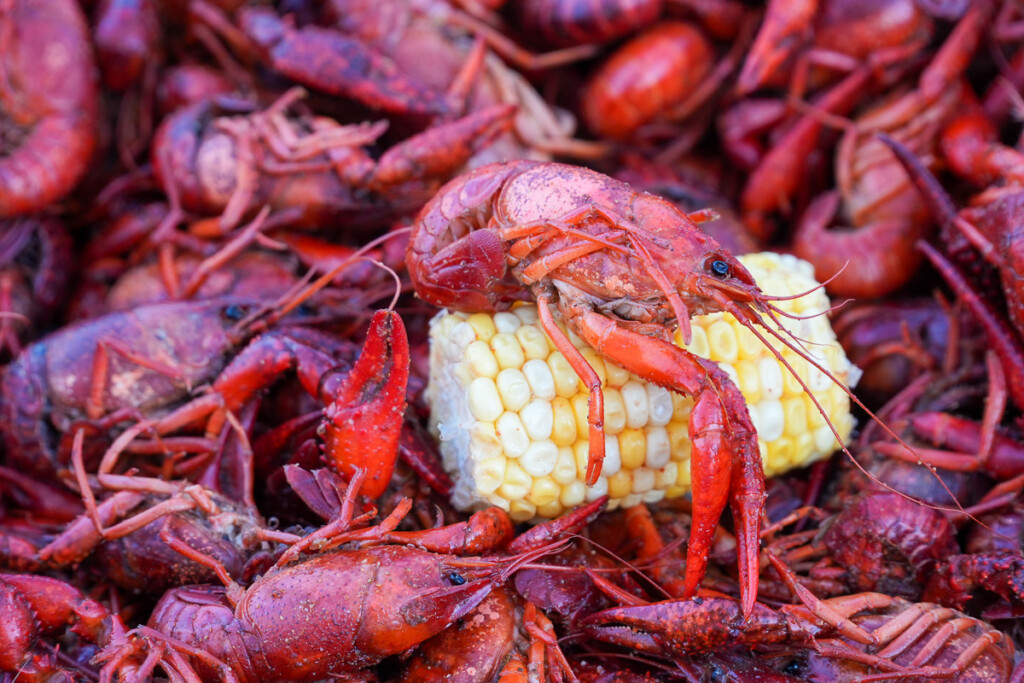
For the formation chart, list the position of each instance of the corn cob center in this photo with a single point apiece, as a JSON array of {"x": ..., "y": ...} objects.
[{"x": 511, "y": 414}]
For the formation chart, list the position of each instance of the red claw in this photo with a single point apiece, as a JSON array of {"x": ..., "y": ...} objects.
[{"x": 363, "y": 420}]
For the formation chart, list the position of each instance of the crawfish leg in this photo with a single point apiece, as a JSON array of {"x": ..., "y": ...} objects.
[
  {"x": 579, "y": 364},
  {"x": 726, "y": 463},
  {"x": 101, "y": 364}
]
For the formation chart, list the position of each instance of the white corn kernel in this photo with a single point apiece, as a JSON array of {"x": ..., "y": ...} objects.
[
  {"x": 539, "y": 459},
  {"x": 565, "y": 467},
  {"x": 513, "y": 388},
  {"x": 643, "y": 480},
  {"x": 658, "y": 449},
  {"x": 634, "y": 396},
  {"x": 533, "y": 341},
  {"x": 506, "y": 322},
  {"x": 599, "y": 489},
  {"x": 612, "y": 457},
  {"x": 771, "y": 377},
  {"x": 489, "y": 474},
  {"x": 614, "y": 412},
  {"x": 538, "y": 374},
  {"x": 538, "y": 419},
  {"x": 771, "y": 423},
  {"x": 526, "y": 314},
  {"x": 512, "y": 434},
  {"x": 659, "y": 401},
  {"x": 507, "y": 350}
]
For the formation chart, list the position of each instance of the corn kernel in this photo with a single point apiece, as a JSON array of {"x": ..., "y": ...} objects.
[
  {"x": 614, "y": 412},
  {"x": 513, "y": 388},
  {"x": 722, "y": 342},
  {"x": 580, "y": 409},
  {"x": 483, "y": 325},
  {"x": 620, "y": 484},
  {"x": 653, "y": 496},
  {"x": 526, "y": 313},
  {"x": 512, "y": 434},
  {"x": 565, "y": 467},
  {"x": 489, "y": 474},
  {"x": 563, "y": 424},
  {"x": 544, "y": 491},
  {"x": 551, "y": 510},
  {"x": 573, "y": 494},
  {"x": 484, "y": 401},
  {"x": 538, "y": 374},
  {"x": 539, "y": 459},
  {"x": 780, "y": 454},
  {"x": 679, "y": 441},
  {"x": 643, "y": 480},
  {"x": 634, "y": 396},
  {"x": 659, "y": 401},
  {"x": 507, "y": 351},
  {"x": 771, "y": 424},
  {"x": 581, "y": 454},
  {"x": 748, "y": 380},
  {"x": 616, "y": 375},
  {"x": 699, "y": 344},
  {"x": 771, "y": 377},
  {"x": 506, "y": 323},
  {"x": 600, "y": 488},
  {"x": 520, "y": 510},
  {"x": 659, "y": 451},
  {"x": 632, "y": 500},
  {"x": 597, "y": 363},
  {"x": 794, "y": 411},
  {"x": 612, "y": 462},
  {"x": 632, "y": 448},
  {"x": 666, "y": 477},
  {"x": 748, "y": 345},
  {"x": 481, "y": 360},
  {"x": 516, "y": 483},
  {"x": 538, "y": 419},
  {"x": 533, "y": 341},
  {"x": 566, "y": 380}
]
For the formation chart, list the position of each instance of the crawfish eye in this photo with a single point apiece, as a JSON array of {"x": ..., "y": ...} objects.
[
  {"x": 234, "y": 312},
  {"x": 456, "y": 579},
  {"x": 720, "y": 268}
]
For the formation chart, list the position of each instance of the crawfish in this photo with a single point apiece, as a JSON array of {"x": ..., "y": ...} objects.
[
  {"x": 395, "y": 596},
  {"x": 49, "y": 102},
  {"x": 622, "y": 268},
  {"x": 855, "y": 635},
  {"x": 232, "y": 165}
]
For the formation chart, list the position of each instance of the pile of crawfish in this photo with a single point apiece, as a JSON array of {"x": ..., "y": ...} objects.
[{"x": 225, "y": 225}]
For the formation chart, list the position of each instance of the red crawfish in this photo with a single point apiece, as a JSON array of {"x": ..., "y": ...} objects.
[
  {"x": 226, "y": 165},
  {"x": 623, "y": 269},
  {"x": 36, "y": 607},
  {"x": 394, "y": 597},
  {"x": 49, "y": 102},
  {"x": 855, "y": 635}
]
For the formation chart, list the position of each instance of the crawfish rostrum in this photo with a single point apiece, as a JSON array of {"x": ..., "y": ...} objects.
[{"x": 225, "y": 226}]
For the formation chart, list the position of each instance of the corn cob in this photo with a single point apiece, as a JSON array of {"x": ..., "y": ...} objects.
[{"x": 511, "y": 414}]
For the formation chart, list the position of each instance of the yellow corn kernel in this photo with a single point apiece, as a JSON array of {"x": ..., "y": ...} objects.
[
  {"x": 614, "y": 412},
  {"x": 722, "y": 342},
  {"x": 632, "y": 448},
  {"x": 544, "y": 491},
  {"x": 573, "y": 494},
  {"x": 484, "y": 400},
  {"x": 565, "y": 467},
  {"x": 794, "y": 416},
  {"x": 507, "y": 351},
  {"x": 516, "y": 483},
  {"x": 563, "y": 423},
  {"x": 481, "y": 360},
  {"x": 620, "y": 484},
  {"x": 616, "y": 376},
  {"x": 533, "y": 341},
  {"x": 483, "y": 325},
  {"x": 566, "y": 381}
]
